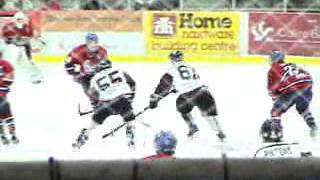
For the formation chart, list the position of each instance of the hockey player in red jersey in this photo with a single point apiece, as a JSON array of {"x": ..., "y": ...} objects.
[
  {"x": 288, "y": 85},
  {"x": 192, "y": 92},
  {"x": 6, "y": 118},
  {"x": 165, "y": 144},
  {"x": 17, "y": 35},
  {"x": 82, "y": 60}
]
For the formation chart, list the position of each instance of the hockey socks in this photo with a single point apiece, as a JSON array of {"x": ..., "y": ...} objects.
[
  {"x": 193, "y": 128},
  {"x": 130, "y": 134},
  {"x": 215, "y": 126},
  {"x": 9, "y": 122}
]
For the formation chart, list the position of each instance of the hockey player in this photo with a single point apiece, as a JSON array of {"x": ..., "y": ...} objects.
[
  {"x": 165, "y": 144},
  {"x": 6, "y": 118},
  {"x": 82, "y": 60},
  {"x": 288, "y": 85},
  {"x": 184, "y": 80},
  {"x": 115, "y": 91},
  {"x": 17, "y": 35}
]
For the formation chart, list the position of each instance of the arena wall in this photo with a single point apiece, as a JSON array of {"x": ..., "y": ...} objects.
[{"x": 177, "y": 169}]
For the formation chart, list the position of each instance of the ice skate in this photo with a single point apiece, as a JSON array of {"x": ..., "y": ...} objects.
[
  {"x": 313, "y": 127},
  {"x": 221, "y": 136},
  {"x": 192, "y": 130},
  {"x": 4, "y": 140},
  {"x": 81, "y": 140},
  {"x": 14, "y": 139},
  {"x": 130, "y": 136}
]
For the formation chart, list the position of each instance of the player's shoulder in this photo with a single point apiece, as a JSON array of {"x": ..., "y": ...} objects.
[
  {"x": 80, "y": 47},
  {"x": 102, "y": 48},
  {"x": 78, "y": 50}
]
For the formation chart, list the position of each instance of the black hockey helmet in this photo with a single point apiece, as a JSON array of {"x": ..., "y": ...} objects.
[
  {"x": 176, "y": 56},
  {"x": 271, "y": 133},
  {"x": 104, "y": 64}
]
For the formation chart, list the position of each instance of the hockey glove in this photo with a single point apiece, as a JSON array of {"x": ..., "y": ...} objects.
[{"x": 154, "y": 100}]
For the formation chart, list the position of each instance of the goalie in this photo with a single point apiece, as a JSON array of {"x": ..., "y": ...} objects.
[{"x": 17, "y": 35}]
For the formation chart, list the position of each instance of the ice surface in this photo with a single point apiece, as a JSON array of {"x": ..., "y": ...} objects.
[{"x": 48, "y": 123}]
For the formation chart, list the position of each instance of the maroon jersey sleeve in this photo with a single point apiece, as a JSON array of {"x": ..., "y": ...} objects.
[
  {"x": 164, "y": 85},
  {"x": 274, "y": 76},
  {"x": 76, "y": 55}
]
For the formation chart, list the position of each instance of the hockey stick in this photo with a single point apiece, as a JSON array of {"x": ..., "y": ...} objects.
[
  {"x": 82, "y": 113},
  {"x": 124, "y": 123}
]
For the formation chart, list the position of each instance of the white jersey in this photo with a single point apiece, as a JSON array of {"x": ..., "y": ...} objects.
[
  {"x": 110, "y": 83},
  {"x": 185, "y": 78}
]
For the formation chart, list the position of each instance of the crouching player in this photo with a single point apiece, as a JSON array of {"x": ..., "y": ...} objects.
[
  {"x": 82, "y": 61},
  {"x": 192, "y": 92},
  {"x": 288, "y": 85},
  {"x": 114, "y": 90},
  {"x": 165, "y": 144},
  {"x": 6, "y": 118}
]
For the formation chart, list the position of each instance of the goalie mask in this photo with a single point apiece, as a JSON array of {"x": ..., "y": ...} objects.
[{"x": 20, "y": 19}]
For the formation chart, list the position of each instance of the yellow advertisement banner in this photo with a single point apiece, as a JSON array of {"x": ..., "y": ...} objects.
[
  {"x": 201, "y": 33},
  {"x": 83, "y": 21}
]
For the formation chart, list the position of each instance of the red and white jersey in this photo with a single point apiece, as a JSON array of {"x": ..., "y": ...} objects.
[
  {"x": 284, "y": 78},
  {"x": 6, "y": 77},
  {"x": 85, "y": 59},
  {"x": 159, "y": 156},
  {"x": 111, "y": 83},
  {"x": 18, "y": 36}
]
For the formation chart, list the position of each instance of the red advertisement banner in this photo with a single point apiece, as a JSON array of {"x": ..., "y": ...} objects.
[{"x": 293, "y": 33}]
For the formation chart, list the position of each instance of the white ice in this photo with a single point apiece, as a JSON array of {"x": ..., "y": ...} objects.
[{"x": 48, "y": 123}]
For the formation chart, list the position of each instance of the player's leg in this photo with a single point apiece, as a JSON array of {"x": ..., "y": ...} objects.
[
  {"x": 7, "y": 120},
  {"x": 124, "y": 107},
  {"x": 271, "y": 129},
  {"x": 36, "y": 75},
  {"x": 302, "y": 105},
  {"x": 85, "y": 84},
  {"x": 207, "y": 105},
  {"x": 184, "y": 107},
  {"x": 97, "y": 119}
]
